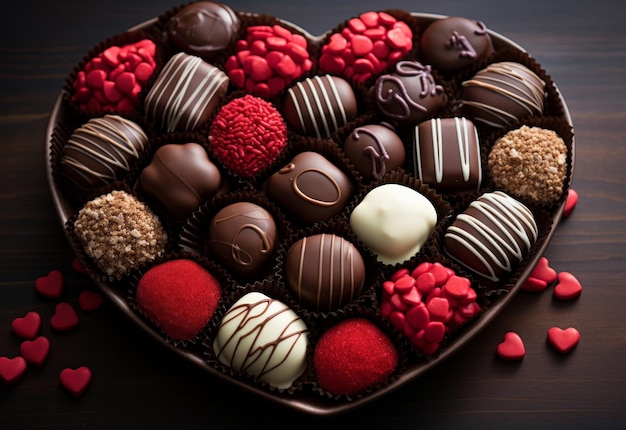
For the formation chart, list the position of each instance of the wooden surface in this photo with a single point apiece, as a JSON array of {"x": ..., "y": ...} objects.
[{"x": 136, "y": 384}]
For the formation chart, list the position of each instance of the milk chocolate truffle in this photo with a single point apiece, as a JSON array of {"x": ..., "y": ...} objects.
[
  {"x": 263, "y": 338},
  {"x": 453, "y": 43},
  {"x": 320, "y": 105},
  {"x": 530, "y": 163},
  {"x": 242, "y": 236},
  {"x": 393, "y": 221},
  {"x": 119, "y": 233},
  {"x": 410, "y": 94},
  {"x": 181, "y": 177},
  {"x": 502, "y": 94},
  {"x": 447, "y": 155},
  {"x": 374, "y": 150},
  {"x": 185, "y": 94},
  {"x": 102, "y": 151},
  {"x": 310, "y": 188},
  {"x": 204, "y": 29},
  {"x": 324, "y": 271},
  {"x": 492, "y": 235}
]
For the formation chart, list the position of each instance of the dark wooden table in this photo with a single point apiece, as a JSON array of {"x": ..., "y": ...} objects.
[{"x": 137, "y": 384}]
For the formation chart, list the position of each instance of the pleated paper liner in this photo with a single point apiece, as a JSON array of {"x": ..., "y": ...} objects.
[
  {"x": 225, "y": 281},
  {"x": 272, "y": 290},
  {"x": 194, "y": 232}
]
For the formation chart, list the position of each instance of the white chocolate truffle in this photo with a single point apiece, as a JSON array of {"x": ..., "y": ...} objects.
[
  {"x": 394, "y": 221},
  {"x": 263, "y": 338}
]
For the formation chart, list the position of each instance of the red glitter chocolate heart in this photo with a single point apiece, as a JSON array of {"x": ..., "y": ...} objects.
[
  {"x": 51, "y": 285},
  {"x": 64, "y": 318},
  {"x": 75, "y": 381},
  {"x": 90, "y": 300},
  {"x": 568, "y": 287},
  {"x": 563, "y": 340},
  {"x": 512, "y": 347},
  {"x": 35, "y": 351},
  {"x": 12, "y": 369},
  {"x": 28, "y": 326}
]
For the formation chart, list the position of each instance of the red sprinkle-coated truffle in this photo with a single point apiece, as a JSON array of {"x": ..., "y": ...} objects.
[
  {"x": 268, "y": 60},
  {"x": 112, "y": 81},
  {"x": 366, "y": 46},
  {"x": 247, "y": 135},
  {"x": 179, "y": 296},
  {"x": 352, "y": 356}
]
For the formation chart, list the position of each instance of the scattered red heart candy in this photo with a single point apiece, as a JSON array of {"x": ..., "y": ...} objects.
[
  {"x": 51, "y": 285},
  {"x": 75, "y": 381},
  {"x": 570, "y": 203},
  {"x": 563, "y": 340},
  {"x": 12, "y": 369},
  {"x": 35, "y": 351},
  {"x": 541, "y": 276},
  {"x": 512, "y": 347},
  {"x": 534, "y": 285},
  {"x": 568, "y": 287},
  {"x": 64, "y": 318},
  {"x": 27, "y": 327},
  {"x": 90, "y": 300},
  {"x": 78, "y": 266}
]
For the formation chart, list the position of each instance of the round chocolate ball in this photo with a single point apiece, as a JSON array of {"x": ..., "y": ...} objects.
[
  {"x": 453, "y": 43},
  {"x": 204, "y": 28},
  {"x": 324, "y": 271},
  {"x": 410, "y": 94},
  {"x": 242, "y": 236},
  {"x": 374, "y": 150}
]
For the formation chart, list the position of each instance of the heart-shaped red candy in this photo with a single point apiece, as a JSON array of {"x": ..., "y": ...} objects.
[
  {"x": 78, "y": 266},
  {"x": 51, "y": 285},
  {"x": 64, "y": 318},
  {"x": 512, "y": 347},
  {"x": 27, "y": 326},
  {"x": 570, "y": 203},
  {"x": 568, "y": 287},
  {"x": 541, "y": 276},
  {"x": 35, "y": 351},
  {"x": 12, "y": 369},
  {"x": 75, "y": 381},
  {"x": 563, "y": 340},
  {"x": 89, "y": 300}
]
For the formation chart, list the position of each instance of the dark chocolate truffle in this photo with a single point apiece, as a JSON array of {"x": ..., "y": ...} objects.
[
  {"x": 319, "y": 106},
  {"x": 204, "y": 28},
  {"x": 453, "y": 43},
  {"x": 447, "y": 155},
  {"x": 181, "y": 177},
  {"x": 324, "y": 271},
  {"x": 242, "y": 236},
  {"x": 185, "y": 94},
  {"x": 410, "y": 94},
  {"x": 102, "y": 151},
  {"x": 492, "y": 235},
  {"x": 502, "y": 94},
  {"x": 374, "y": 150},
  {"x": 310, "y": 188}
]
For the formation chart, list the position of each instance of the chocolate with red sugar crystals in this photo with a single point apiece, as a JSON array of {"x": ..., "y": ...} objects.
[
  {"x": 111, "y": 81},
  {"x": 366, "y": 46},
  {"x": 268, "y": 60},
  {"x": 427, "y": 302}
]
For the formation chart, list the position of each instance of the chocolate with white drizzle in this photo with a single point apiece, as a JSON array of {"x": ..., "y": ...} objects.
[
  {"x": 492, "y": 235},
  {"x": 264, "y": 338},
  {"x": 447, "y": 154}
]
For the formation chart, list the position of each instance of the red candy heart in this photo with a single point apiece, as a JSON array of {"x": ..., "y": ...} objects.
[
  {"x": 35, "y": 351},
  {"x": 90, "y": 300},
  {"x": 78, "y": 266},
  {"x": 541, "y": 276},
  {"x": 570, "y": 203},
  {"x": 563, "y": 340},
  {"x": 568, "y": 287},
  {"x": 28, "y": 326},
  {"x": 12, "y": 369},
  {"x": 75, "y": 381},
  {"x": 51, "y": 285},
  {"x": 65, "y": 317},
  {"x": 511, "y": 348}
]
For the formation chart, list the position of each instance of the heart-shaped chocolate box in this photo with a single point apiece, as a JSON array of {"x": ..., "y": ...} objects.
[{"x": 188, "y": 237}]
